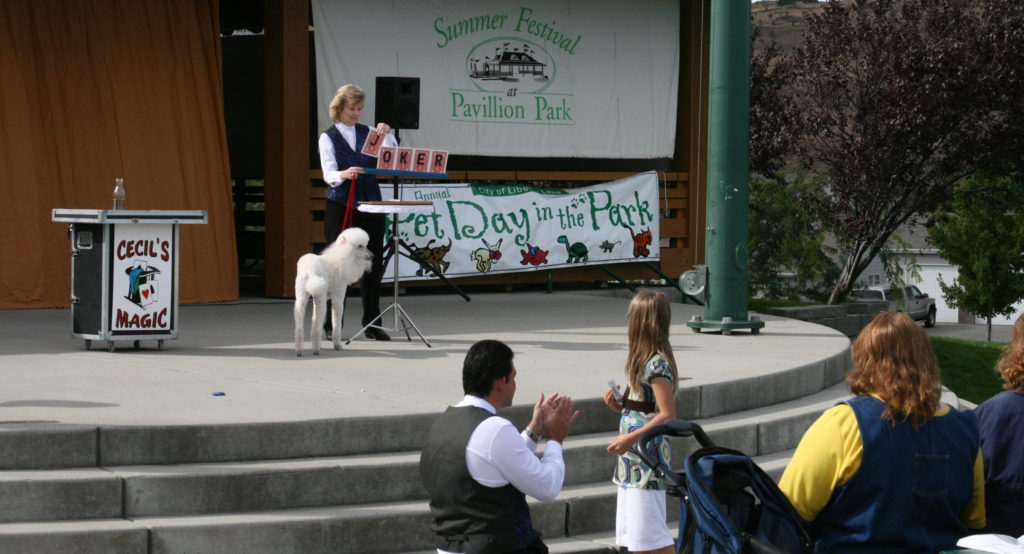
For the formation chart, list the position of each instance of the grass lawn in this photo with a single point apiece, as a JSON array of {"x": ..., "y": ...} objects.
[{"x": 968, "y": 367}]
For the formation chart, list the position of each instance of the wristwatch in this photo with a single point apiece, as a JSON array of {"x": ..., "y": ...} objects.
[{"x": 535, "y": 437}]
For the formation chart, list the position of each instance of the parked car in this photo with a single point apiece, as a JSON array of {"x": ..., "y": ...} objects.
[{"x": 902, "y": 298}]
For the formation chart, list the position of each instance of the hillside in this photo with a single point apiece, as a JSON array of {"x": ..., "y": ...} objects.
[{"x": 784, "y": 21}]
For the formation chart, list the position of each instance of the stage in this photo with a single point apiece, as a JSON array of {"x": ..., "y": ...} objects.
[{"x": 569, "y": 342}]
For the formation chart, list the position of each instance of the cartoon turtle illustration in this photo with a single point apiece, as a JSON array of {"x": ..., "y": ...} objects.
[{"x": 578, "y": 252}]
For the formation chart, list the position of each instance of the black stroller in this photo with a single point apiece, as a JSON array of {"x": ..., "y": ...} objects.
[{"x": 728, "y": 505}]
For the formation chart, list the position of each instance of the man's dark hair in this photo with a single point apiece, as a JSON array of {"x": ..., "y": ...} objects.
[{"x": 486, "y": 362}]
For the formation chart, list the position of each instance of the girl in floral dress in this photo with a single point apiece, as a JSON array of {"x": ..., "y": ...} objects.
[{"x": 640, "y": 522}]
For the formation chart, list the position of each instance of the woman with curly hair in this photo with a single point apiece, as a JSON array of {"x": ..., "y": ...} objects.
[
  {"x": 1001, "y": 419},
  {"x": 891, "y": 469}
]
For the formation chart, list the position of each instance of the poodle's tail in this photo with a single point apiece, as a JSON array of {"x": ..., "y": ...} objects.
[{"x": 316, "y": 285}]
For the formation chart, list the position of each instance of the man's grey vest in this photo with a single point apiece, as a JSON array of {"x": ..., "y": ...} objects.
[{"x": 469, "y": 517}]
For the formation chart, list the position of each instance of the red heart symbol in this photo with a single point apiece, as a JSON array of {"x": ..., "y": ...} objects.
[{"x": 145, "y": 293}]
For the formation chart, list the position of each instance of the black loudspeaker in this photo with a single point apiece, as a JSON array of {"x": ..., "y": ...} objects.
[{"x": 398, "y": 102}]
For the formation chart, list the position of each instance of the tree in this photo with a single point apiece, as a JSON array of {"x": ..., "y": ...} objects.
[
  {"x": 788, "y": 257},
  {"x": 982, "y": 234},
  {"x": 892, "y": 103}
]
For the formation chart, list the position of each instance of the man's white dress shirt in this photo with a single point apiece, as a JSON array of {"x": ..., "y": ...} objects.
[{"x": 497, "y": 455}]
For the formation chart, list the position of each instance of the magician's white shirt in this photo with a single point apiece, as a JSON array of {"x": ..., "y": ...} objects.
[{"x": 328, "y": 161}]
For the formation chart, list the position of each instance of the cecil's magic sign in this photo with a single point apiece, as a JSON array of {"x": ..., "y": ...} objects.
[
  {"x": 142, "y": 288},
  {"x": 526, "y": 78},
  {"x": 478, "y": 230}
]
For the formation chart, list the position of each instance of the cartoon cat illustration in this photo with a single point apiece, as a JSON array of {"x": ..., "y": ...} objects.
[{"x": 641, "y": 241}]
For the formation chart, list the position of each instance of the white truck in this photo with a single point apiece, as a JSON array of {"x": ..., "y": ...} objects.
[{"x": 903, "y": 298}]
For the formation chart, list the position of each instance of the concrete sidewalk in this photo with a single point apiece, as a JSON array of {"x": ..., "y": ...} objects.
[
  {"x": 568, "y": 342},
  {"x": 1000, "y": 333}
]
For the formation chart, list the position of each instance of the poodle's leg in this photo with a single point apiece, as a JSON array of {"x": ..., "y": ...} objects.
[
  {"x": 337, "y": 310},
  {"x": 319, "y": 309},
  {"x": 300, "y": 316}
]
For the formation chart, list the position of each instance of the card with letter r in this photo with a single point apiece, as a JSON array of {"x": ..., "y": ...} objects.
[
  {"x": 373, "y": 143},
  {"x": 438, "y": 161}
]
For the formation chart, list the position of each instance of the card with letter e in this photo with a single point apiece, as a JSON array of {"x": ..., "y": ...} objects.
[
  {"x": 404, "y": 161},
  {"x": 373, "y": 143},
  {"x": 420, "y": 160},
  {"x": 386, "y": 159}
]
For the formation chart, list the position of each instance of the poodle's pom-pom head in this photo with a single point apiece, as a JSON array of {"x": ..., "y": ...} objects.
[{"x": 354, "y": 236}]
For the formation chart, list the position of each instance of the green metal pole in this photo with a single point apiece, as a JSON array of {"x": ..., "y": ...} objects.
[{"x": 725, "y": 305}]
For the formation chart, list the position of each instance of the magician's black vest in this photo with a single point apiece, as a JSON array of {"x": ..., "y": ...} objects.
[
  {"x": 367, "y": 189},
  {"x": 469, "y": 517}
]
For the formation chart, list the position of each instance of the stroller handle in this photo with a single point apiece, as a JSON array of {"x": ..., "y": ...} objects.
[{"x": 672, "y": 428}]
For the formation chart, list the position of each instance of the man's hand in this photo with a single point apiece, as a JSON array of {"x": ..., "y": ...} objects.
[
  {"x": 383, "y": 128},
  {"x": 557, "y": 417},
  {"x": 537, "y": 421}
]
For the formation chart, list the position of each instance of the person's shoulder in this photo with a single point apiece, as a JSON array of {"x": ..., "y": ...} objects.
[
  {"x": 1004, "y": 400},
  {"x": 658, "y": 362}
]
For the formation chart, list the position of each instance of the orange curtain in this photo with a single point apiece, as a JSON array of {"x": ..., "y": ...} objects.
[{"x": 92, "y": 90}]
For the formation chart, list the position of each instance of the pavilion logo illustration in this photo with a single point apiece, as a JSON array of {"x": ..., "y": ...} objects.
[
  {"x": 505, "y": 63},
  {"x": 511, "y": 78}
]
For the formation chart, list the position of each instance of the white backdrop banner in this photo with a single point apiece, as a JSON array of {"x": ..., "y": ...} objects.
[
  {"x": 537, "y": 78},
  {"x": 480, "y": 230}
]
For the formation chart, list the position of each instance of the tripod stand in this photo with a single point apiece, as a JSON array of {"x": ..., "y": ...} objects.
[{"x": 402, "y": 321}]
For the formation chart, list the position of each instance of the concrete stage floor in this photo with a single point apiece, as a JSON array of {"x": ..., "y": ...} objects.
[{"x": 569, "y": 342}]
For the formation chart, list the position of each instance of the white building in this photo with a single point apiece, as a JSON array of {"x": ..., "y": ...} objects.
[{"x": 931, "y": 267}]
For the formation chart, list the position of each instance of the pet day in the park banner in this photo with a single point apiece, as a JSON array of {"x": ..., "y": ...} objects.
[
  {"x": 539, "y": 78},
  {"x": 480, "y": 230}
]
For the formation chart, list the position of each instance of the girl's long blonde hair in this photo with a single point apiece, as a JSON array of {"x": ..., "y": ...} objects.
[
  {"x": 648, "y": 319},
  {"x": 893, "y": 358},
  {"x": 1011, "y": 364}
]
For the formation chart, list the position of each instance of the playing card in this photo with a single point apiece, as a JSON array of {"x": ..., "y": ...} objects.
[
  {"x": 438, "y": 161},
  {"x": 404, "y": 161},
  {"x": 420, "y": 160},
  {"x": 386, "y": 159},
  {"x": 373, "y": 143}
]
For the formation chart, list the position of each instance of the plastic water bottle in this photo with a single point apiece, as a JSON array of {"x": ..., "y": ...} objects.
[{"x": 119, "y": 194}]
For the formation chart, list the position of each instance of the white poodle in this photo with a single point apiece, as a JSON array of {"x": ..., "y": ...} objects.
[{"x": 328, "y": 276}]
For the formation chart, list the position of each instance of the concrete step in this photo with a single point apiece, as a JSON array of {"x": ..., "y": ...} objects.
[
  {"x": 578, "y": 521},
  {"x": 59, "y": 494},
  {"x": 596, "y": 543},
  {"x": 109, "y": 536},
  {"x": 227, "y": 487},
  {"x": 40, "y": 445}
]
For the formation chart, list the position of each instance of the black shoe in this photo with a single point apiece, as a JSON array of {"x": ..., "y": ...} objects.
[
  {"x": 376, "y": 334},
  {"x": 327, "y": 334}
]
